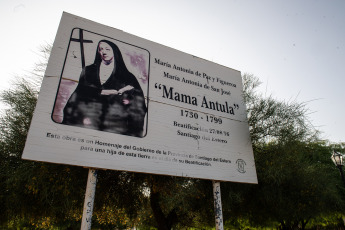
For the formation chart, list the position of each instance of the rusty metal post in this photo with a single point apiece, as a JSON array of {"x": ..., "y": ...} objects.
[
  {"x": 217, "y": 205},
  {"x": 89, "y": 199}
]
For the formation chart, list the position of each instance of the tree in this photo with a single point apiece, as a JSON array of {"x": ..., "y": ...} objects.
[
  {"x": 297, "y": 183},
  {"x": 297, "y": 180},
  {"x": 273, "y": 120}
]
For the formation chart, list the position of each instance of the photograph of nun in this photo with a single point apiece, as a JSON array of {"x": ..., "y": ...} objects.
[{"x": 108, "y": 96}]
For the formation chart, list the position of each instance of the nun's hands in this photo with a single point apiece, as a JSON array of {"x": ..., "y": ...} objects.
[
  {"x": 116, "y": 92},
  {"x": 126, "y": 88},
  {"x": 109, "y": 92}
]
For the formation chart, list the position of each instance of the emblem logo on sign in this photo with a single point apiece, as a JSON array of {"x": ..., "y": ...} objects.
[{"x": 240, "y": 165}]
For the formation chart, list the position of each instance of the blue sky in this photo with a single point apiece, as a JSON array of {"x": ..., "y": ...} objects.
[{"x": 296, "y": 48}]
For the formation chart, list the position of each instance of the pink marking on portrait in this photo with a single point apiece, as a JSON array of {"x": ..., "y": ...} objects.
[
  {"x": 65, "y": 90},
  {"x": 139, "y": 62},
  {"x": 87, "y": 121},
  {"x": 125, "y": 101}
]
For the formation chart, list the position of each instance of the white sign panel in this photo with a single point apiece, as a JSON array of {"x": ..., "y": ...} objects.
[{"x": 112, "y": 100}]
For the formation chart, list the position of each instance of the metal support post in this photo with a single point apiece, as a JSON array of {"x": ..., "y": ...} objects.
[
  {"x": 89, "y": 199},
  {"x": 217, "y": 205}
]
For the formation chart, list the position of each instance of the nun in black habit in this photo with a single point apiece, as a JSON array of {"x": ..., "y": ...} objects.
[{"x": 108, "y": 97}]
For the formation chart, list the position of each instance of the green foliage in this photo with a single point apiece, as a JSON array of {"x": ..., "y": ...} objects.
[
  {"x": 27, "y": 187},
  {"x": 297, "y": 180},
  {"x": 189, "y": 199},
  {"x": 296, "y": 183},
  {"x": 273, "y": 120}
]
